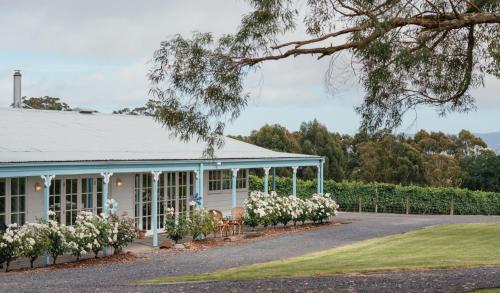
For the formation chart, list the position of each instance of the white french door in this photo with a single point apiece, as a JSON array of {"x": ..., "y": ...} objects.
[{"x": 174, "y": 191}]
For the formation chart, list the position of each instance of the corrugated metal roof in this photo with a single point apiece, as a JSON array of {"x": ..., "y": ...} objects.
[{"x": 58, "y": 136}]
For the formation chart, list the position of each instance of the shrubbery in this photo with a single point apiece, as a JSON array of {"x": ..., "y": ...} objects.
[
  {"x": 393, "y": 198},
  {"x": 270, "y": 209},
  {"x": 201, "y": 223},
  {"x": 176, "y": 229},
  {"x": 90, "y": 233}
]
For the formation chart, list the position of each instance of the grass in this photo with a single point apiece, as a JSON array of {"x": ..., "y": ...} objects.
[{"x": 445, "y": 246}]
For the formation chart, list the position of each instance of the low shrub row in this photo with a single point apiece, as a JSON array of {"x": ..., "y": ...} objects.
[
  {"x": 382, "y": 197},
  {"x": 90, "y": 234},
  {"x": 270, "y": 209}
]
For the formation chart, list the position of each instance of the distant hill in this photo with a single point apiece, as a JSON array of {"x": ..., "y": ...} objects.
[{"x": 492, "y": 139}]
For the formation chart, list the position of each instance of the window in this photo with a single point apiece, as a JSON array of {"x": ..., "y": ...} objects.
[
  {"x": 137, "y": 200},
  {"x": 227, "y": 179},
  {"x": 55, "y": 199},
  {"x": 17, "y": 200},
  {"x": 241, "y": 179},
  {"x": 87, "y": 200},
  {"x": 214, "y": 180},
  {"x": 183, "y": 193},
  {"x": 71, "y": 201},
  {"x": 3, "y": 196},
  {"x": 146, "y": 201},
  {"x": 161, "y": 201},
  {"x": 99, "y": 195},
  {"x": 222, "y": 179}
]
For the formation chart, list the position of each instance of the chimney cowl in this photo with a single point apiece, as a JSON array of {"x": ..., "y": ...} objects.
[{"x": 17, "y": 89}]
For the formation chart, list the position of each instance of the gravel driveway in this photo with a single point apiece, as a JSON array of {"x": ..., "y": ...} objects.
[{"x": 120, "y": 277}]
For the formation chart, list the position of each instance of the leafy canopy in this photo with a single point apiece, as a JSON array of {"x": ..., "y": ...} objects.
[{"x": 407, "y": 53}]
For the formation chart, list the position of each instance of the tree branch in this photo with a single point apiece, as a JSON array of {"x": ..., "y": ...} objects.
[{"x": 429, "y": 23}]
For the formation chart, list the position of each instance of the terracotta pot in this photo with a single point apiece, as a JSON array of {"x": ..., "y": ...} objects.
[{"x": 141, "y": 234}]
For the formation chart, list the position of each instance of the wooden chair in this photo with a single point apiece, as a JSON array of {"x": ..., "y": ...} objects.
[
  {"x": 222, "y": 224},
  {"x": 237, "y": 215}
]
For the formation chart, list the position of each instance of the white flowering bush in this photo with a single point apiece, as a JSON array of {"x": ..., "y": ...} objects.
[
  {"x": 322, "y": 207},
  {"x": 10, "y": 245},
  {"x": 58, "y": 238},
  {"x": 122, "y": 232},
  {"x": 270, "y": 209},
  {"x": 102, "y": 233},
  {"x": 83, "y": 234},
  {"x": 90, "y": 233},
  {"x": 256, "y": 206},
  {"x": 34, "y": 241}
]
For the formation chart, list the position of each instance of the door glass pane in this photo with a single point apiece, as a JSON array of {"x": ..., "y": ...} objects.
[
  {"x": 161, "y": 201},
  {"x": 146, "y": 201},
  {"x": 55, "y": 199},
  {"x": 3, "y": 193},
  {"x": 71, "y": 201},
  {"x": 137, "y": 200},
  {"x": 183, "y": 193},
  {"x": 87, "y": 199},
  {"x": 99, "y": 195},
  {"x": 17, "y": 198}
]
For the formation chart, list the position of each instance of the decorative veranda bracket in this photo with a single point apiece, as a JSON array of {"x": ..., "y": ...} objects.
[
  {"x": 47, "y": 179},
  {"x": 156, "y": 175},
  {"x": 106, "y": 176}
]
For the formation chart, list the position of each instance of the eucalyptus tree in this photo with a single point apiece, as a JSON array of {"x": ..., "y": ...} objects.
[
  {"x": 407, "y": 53},
  {"x": 45, "y": 103}
]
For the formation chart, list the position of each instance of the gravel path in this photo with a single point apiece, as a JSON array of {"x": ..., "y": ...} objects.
[{"x": 121, "y": 276}]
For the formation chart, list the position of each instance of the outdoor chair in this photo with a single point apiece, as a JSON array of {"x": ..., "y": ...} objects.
[
  {"x": 222, "y": 225},
  {"x": 237, "y": 215}
]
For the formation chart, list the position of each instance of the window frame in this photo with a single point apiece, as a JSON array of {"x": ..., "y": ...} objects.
[
  {"x": 9, "y": 196},
  {"x": 218, "y": 178}
]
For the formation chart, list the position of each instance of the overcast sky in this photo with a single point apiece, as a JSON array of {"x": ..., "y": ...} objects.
[{"x": 95, "y": 54}]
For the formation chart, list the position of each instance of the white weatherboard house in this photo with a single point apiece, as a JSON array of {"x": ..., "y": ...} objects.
[{"x": 68, "y": 162}]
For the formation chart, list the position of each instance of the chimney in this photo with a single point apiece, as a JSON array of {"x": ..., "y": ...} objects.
[{"x": 17, "y": 89}]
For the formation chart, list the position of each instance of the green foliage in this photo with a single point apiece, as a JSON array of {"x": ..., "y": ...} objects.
[
  {"x": 392, "y": 198},
  {"x": 146, "y": 110},
  {"x": 123, "y": 232},
  {"x": 201, "y": 223},
  {"x": 176, "y": 229},
  {"x": 45, "y": 103},
  {"x": 483, "y": 172},
  {"x": 428, "y": 53},
  {"x": 315, "y": 139},
  {"x": 274, "y": 137}
]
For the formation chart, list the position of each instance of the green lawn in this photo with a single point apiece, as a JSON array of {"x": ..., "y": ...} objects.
[{"x": 446, "y": 246}]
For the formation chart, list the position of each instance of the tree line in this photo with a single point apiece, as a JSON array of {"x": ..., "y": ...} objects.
[{"x": 425, "y": 159}]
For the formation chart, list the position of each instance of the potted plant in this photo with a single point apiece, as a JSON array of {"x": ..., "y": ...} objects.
[{"x": 141, "y": 234}]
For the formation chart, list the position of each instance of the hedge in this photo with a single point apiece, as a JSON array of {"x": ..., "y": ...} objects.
[{"x": 391, "y": 198}]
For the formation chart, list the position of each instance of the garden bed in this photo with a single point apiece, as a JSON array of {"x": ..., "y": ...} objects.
[
  {"x": 83, "y": 263},
  {"x": 258, "y": 234}
]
